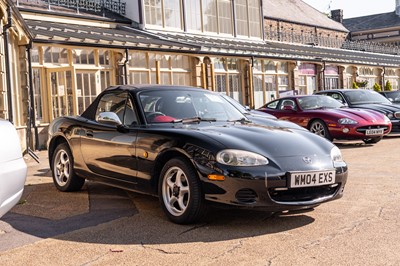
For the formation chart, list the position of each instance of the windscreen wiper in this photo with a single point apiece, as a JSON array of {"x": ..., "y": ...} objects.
[
  {"x": 195, "y": 119},
  {"x": 241, "y": 120}
]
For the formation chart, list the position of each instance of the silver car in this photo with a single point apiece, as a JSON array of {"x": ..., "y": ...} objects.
[{"x": 13, "y": 168}]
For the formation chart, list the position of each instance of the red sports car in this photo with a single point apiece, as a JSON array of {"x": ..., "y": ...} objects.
[{"x": 328, "y": 118}]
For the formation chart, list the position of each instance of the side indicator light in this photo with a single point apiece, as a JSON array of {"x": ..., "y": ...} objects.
[{"x": 216, "y": 177}]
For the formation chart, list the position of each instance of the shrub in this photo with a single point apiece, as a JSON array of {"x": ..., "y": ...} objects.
[
  {"x": 377, "y": 87},
  {"x": 388, "y": 86},
  {"x": 355, "y": 86}
]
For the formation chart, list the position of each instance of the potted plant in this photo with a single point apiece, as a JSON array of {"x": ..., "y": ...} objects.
[
  {"x": 377, "y": 87},
  {"x": 388, "y": 86}
]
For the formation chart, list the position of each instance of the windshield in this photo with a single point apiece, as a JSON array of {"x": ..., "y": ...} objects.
[
  {"x": 180, "y": 105},
  {"x": 235, "y": 103},
  {"x": 365, "y": 96},
  {"x": 318, "y": 102},
  {"x": 393, "y": 96}
]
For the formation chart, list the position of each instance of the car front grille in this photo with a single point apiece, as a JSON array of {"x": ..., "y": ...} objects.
[
  {"x": 364, "y": 129},
  {"x": 302, "y": 194}
]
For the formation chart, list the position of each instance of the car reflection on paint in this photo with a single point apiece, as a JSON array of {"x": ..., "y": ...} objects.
[{"x": 192, "y": 148}]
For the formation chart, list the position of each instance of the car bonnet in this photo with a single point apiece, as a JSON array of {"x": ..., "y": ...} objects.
[
  {"x": 360, "y": 114},
  {"x": 268, "y": 141}
]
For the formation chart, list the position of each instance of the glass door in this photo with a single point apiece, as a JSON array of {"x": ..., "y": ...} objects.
[{"x": 61, "y": 93}]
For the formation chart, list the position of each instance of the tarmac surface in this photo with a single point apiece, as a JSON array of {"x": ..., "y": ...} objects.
[{"x": 102, "y": 225}]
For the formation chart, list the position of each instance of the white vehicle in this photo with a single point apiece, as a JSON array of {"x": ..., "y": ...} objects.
[{"x": 12, "y": 167}]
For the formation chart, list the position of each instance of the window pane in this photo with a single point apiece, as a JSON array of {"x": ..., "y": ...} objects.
[
  {"x": 254, "y": 18},
  {"x": 138, "y": 60},
  {"x": 269, "y": 66},
  {"x": 139, "y": 77},
  {"x": 225, "y": 16},
  {"x": 172, "y": 13},
  {"x": 234, "y": 87},
  {"x": 241, "y": 17},
  {"x": 220, "y": 83},
  {"x": 181, "y": 79},
  {"x": 180, "y": 61},
  {"x": 210, "y": 15},
  {"x": 47, "y": 54},
  {"x": 165, "y": 78},
  {"x": 153, "y": 12},
  {"x": 105, "y": 76},
  {"x": 104, "y": 58},
  {"x": 35, "y": 55},
  {"x": 37, "y": 88},
  {"x": 193, "y": 15}
]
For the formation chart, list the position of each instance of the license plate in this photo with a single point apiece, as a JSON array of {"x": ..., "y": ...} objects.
[
  {"x": 370, "y": 132},
  {"x": 311, "y": 179}
]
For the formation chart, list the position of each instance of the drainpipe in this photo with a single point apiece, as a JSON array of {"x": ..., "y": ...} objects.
[
  {"x": 31, "y": 108},
  {"x": 7, "y": 61},
  {"x": 126, "y": 66},
  {"x": 323, "y": 75}
]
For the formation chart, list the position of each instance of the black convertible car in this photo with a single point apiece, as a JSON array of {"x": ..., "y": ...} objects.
[{"x": 190, "y": 147}]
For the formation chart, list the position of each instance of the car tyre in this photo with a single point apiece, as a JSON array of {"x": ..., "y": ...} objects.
[
  {"x": 64, "y": 176},
  {"x": 319, "y": 128},
  {"x": 180, "y": 193},
  {"x": 372, "y": 140}
]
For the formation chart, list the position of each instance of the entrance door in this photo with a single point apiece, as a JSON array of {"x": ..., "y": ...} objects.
[
  {"x": 311, "y": 85},
  {"x": 61, "y": 92}
]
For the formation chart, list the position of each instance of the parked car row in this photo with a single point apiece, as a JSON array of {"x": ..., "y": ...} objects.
[
  {"x": 191, "y": 147},
  {"x": 368, "y": 100},
  {"x": 330, "y": 119}
]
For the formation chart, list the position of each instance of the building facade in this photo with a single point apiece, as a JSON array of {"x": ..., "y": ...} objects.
[{"x": 251, "y": 50}]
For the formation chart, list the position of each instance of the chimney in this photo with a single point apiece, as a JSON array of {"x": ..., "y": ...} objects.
[
  {"x": 337, "y": 14},
  {"x": 398, "y": 8}
]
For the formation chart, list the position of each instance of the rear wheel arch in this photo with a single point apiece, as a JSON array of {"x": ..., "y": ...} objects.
[{"x": 52, "y": 147}]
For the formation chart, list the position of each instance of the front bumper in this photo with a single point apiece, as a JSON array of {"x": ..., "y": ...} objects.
[
  {"x": 395, "y": 127},
  {"x": 12, "y": 181},
  {"x": 272, "y": 192},
  {"x": 351, "y": 132}
]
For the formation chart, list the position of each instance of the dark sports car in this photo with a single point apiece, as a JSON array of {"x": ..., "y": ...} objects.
[
  {"x": 190, "y": 147},
  {"x": 326, "y": 117},
  {"x": 370, "y": 100},
  {"x": 393, "y": 96}
]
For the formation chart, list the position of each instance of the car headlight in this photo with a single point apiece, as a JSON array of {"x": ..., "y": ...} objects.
[
  {"x": 390, "y": 116},
  {"x": 347, "y": 121},
  {"x": 336, "y": 155},
  {"x": 240, "y": 158},
  {"x": 387, "y": 120}
]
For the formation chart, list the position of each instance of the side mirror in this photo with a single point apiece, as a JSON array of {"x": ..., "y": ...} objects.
[
  {"x": 247, "y": 108},
  {"x": 109, "y": 118}
]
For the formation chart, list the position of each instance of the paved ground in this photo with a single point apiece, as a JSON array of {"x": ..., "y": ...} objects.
[{"x": 104, "y": 226}]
